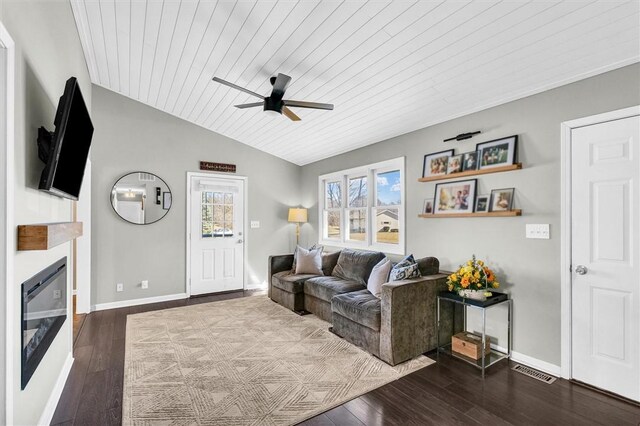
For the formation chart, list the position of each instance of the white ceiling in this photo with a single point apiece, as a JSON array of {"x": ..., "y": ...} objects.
[{"x": 390, "y": 67}]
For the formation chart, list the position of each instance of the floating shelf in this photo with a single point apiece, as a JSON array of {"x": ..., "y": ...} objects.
[
  {"x": 43, "y": 236},
  {"x": 509, "y": 213},
  {"x": 508, "y": 168}
]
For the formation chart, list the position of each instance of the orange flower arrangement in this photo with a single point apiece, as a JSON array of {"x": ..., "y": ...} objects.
[{"x": 474, "y": 275}]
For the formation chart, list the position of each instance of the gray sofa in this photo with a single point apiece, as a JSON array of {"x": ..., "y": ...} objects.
[{"x": 396, "y": 327}]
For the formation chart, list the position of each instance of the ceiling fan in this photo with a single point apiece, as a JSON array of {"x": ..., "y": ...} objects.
[{"x": 274, "y": 101}]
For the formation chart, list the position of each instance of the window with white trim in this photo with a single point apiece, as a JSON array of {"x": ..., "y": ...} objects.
[{"x": 363, "y": 207}]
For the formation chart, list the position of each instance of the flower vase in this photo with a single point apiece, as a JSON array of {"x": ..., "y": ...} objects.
[{"x": 473, "y": 294}]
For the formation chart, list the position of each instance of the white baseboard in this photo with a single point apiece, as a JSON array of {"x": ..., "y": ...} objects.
[
  {"x": 256, "y": 286},
  {"x": 134, "y": 302},
  {"x": 56, "y": 392},
  {"x": 543, "y": 366}
]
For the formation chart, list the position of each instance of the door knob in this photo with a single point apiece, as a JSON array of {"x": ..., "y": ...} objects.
[{"x": 581, "y": 270}]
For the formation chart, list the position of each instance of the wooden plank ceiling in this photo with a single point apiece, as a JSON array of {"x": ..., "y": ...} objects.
[{"x": 390, "y": 67}]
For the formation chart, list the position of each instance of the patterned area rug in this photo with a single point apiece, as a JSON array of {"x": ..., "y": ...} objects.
[{"x": 245, "y": 361}]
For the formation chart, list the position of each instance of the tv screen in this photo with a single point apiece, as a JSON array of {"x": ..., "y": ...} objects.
[{"x": 65, "y": 151}]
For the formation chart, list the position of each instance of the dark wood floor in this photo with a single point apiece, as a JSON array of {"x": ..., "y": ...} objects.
[{"x": 448, "y": 392}]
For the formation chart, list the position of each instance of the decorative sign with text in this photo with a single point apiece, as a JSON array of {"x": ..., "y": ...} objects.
[{"x": 217, "y": 167}]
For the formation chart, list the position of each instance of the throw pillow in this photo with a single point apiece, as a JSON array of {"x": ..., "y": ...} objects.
[
  {"x": 356, "y": 265},
  {"x": 379, "y": 275},
  {"x": 295, "y": 255},
  {"x": 405, "y": 269},
  {"x": 309, "y": 261}
]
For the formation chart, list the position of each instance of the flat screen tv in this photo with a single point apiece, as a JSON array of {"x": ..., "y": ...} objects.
[{"x": 65, "y": 150}]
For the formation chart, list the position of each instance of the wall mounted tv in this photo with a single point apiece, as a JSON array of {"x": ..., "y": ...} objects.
[{"x": 65, "y": 151}]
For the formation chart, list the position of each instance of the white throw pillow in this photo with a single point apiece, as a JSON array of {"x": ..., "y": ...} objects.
[
  {"x": 308, "y": 261},
  {"x": 379, "y": 275}
]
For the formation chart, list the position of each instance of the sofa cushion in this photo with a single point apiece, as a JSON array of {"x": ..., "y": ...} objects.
[
  {"x": 361, "y": 307},
  {"x": 308, "y": 261},
  {"x": 287, "y": 281},
  {"x": 356, "y": 265},
  {"x": 295, "y": 255},
  {"x": 379, "y": 275},
  {"x": 406, "y": 269},
  {"x": 324, "y": 288},
  {"x": 329, "y": 261}
]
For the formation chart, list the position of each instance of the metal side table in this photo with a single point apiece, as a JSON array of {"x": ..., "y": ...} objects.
[{"x": 498, "y": 299}]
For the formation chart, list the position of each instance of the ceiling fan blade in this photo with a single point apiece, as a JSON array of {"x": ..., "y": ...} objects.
[
  {"x": 255, "y": 104},
  {"x": 304, "y": 104},
  {"x": 242, "y": 89},
  {"x": 290, "y": 114},
  {"x": 280, "y": 85}
]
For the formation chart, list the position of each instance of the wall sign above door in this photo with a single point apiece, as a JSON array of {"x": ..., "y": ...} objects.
[{"x": 217, "y": 167}]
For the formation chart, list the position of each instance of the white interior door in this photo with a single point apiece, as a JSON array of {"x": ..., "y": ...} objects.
[
  {"x": 216, "y": 234},
  {"x": 606, "y": 256}
]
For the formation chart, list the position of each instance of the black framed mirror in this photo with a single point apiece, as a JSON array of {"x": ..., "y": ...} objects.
[{"x": 141, "y": 198}]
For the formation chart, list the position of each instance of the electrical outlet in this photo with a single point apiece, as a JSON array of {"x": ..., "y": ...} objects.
[
  {"x": 537, "y": 231},
  {"x": 144, "y": 284},
  {"x": 57, "y": 294},
  {"x": 119, "y": 287},
  {"x": 255, "y": 224}
]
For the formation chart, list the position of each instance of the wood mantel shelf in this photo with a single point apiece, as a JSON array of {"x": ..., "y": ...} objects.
[
  {"x": 508, "y": 168},
  {"x": 43, "y": 236},
  {"x": 509, "y": 213}
]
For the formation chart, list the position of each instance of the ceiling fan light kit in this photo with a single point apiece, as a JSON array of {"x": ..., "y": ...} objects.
[{"x": 274, "y": 103}]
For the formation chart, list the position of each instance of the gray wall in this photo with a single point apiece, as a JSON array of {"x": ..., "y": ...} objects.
[
  {"x": 528, "y": 269},
  {"x": 131, "y": 136},
  {"x": 48, "y": 53}
]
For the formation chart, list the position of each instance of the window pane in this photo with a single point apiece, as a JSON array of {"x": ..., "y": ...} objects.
[
  {"x": 228, "y": 198},
  {"x": 207, "y": 221},
  {"x": 333, "y": 195},
  {"x": 388, "y": 188},
  {"x": 358, "y": 192},
  {"x": 332, "y": 220},
  {"x": 358, "y": 224},
  {"x": 387, "y": 226},
  {"x": 218, "y": 220},
  {"x": 217, "y": 197},
  {"x": 228, "y": 221}
]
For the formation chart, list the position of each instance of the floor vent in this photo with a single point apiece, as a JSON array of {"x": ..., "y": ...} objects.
[{"x": 538, "y": 375}]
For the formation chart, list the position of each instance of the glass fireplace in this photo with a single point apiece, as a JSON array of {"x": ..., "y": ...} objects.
[{"x": 44, "y": 310}]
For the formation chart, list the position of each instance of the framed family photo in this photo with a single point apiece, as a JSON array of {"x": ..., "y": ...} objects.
[
  {"x": 482, "y": 204},
  {"x": 470, "y": 161},
  {"x": 427, "y": 207},
  {"x": 497, "y": 153},
  {"x": 455, "y": 197},
  {"x": 436, "y": 164},
  {"x": 455, "y": 164},
  {"x": 501, "y": 200}
]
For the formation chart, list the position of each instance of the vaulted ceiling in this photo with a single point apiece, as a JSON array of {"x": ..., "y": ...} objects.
[{"x": 390, "y": 67}]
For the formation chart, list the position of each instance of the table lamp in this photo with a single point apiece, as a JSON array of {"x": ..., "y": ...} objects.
[{"x": 298, "y": 216}]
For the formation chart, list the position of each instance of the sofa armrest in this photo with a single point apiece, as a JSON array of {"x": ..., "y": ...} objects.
[
  {"x": 278, "y": 263},
  {"x": 408, "y": 317}
]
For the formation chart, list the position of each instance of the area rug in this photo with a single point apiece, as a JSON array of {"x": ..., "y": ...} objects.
[{"x": 246, "y": 361}]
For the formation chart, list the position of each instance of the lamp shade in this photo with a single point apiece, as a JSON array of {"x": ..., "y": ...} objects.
[{"x": 297, "y": 215}]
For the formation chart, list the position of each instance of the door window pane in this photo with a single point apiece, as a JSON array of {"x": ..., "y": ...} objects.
[
  {"x": 332, "y": 220},
  {"x": 333, "y": 195},
  {"x": 388, "y": 188},
  {"x": 228, "y": 220},
  {"x": 228, "y": 198},
  {"x": 358, "y": 192},
  {"x": 207, "y": 220},
  {"x": 217, "y": 197},
  {"x": 358, "y": 224},
  {"x": 387, "y": 226}
]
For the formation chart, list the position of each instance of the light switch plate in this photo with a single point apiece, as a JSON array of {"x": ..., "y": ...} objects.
[
  {"x": 255, "y": 224},
  {"x": 119, "y": 287},
  {"x": 145, "y": 284},
  {"x": 538, "y": 231}
]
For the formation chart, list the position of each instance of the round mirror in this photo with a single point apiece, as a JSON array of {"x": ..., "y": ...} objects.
[{"x": 141, "y": 198}]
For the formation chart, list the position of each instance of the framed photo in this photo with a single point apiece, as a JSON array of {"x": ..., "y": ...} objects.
[
  {"x": 482, "y": 204},
  {"x": 166, "y": 200},
  {"x": 455, "y": 164},
  {"x": 455, "y": 197},
  {"x": 436, "y": 164},
  {"x": 497, "y": 153},
  {"x": 470, "y": 161},
  {"x": 427, "y": 207},
  {"x": 501, "y": 200}
]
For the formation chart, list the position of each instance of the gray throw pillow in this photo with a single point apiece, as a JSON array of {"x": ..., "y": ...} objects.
[
  {"x": 356, "y": 265},
  {"x": 295, "y": 255},
  {"x": 405, "y": 269},
  {"x": 309, "y": 261}
]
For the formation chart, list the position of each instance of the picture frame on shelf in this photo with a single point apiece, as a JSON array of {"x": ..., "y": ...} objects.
[
  {"x": 497, "y": 153},
  {"x": 501, "y": 200},
  {"x": 427, "y": 207},
  {"x": 455, "y": 197},
  {"x": 435, "y": 164},
  {"x": 454, "y": 164},
  {"x": 482, "y": 204},
  {"x": 470, "y": 161}
]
